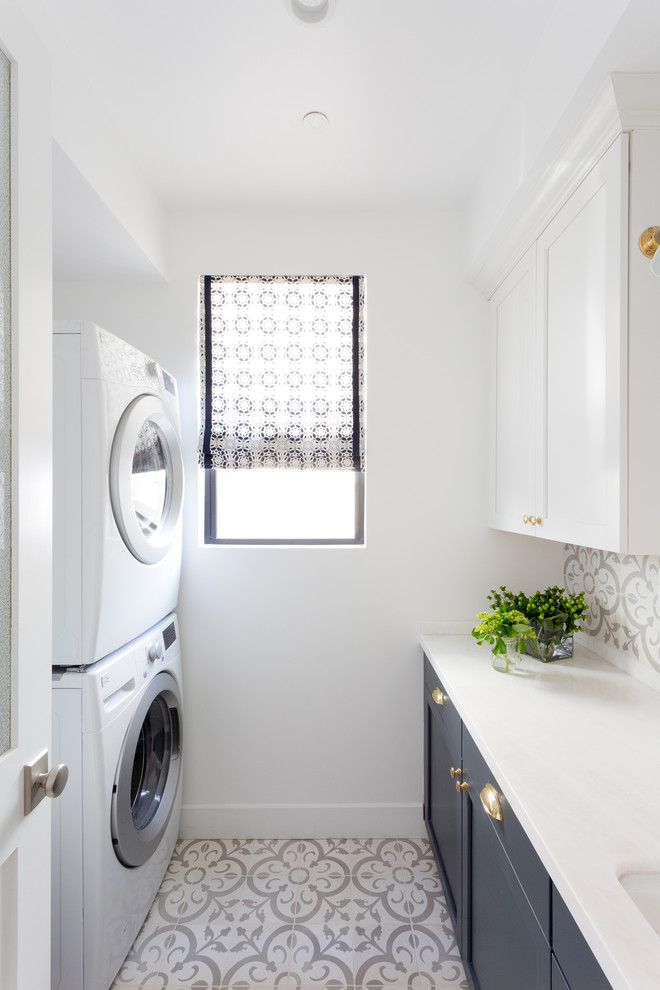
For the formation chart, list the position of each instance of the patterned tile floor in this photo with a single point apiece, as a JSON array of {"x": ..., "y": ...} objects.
[{"x": 283, "y": 914}]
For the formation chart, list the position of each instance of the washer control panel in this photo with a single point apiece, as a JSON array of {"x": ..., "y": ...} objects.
[{"x": 154, "y": 651}]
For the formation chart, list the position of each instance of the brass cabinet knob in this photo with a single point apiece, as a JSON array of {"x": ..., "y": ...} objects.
[
  {"x": 461, "y": 786},
  {"x": 525, "y": 519},
  {"x": 455, "y": 772},
  {"x": 491, "y": 802},
  {"x": 538, "y": 520},
  {"x": 532, "y": 520},
  {"x": 438, "y": 697}
]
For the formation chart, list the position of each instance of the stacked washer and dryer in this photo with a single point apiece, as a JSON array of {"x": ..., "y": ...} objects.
[{"x": 117, "y": 711}]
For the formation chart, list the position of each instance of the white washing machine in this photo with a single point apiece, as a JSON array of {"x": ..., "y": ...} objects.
[
  {"x": 118, "y": 727},
  {"x": 118, "y": 493}
]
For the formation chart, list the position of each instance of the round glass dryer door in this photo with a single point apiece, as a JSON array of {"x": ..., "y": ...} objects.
[
  {"x": 147, "y": 777},
  {"x": 146, "y": 479}
]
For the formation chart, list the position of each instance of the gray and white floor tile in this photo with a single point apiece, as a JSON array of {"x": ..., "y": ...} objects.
[{"x": 336, "y": 914}]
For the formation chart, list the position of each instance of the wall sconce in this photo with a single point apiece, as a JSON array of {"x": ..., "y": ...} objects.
[{"x": 649, "y": 242}]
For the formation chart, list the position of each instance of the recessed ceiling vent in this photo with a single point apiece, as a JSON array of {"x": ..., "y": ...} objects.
[
  {"x": 315, "y": 121},
  {"x": 310, "y": 11}
]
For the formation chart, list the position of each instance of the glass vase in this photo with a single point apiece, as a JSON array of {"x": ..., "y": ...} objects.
[
  {"x": 505, "y": 662},
  {"x": 550, "y": 640}
]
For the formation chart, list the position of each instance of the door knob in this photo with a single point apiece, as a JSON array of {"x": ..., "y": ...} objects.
[
  {"x": 54, "y": 781},
  {"x": 40, "y": 782}
]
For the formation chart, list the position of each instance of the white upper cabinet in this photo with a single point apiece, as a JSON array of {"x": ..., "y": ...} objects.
[
  {"x": 581, "y": 324},
  {"x": 513, "y": 430},
  {"x": 558, "y": 371},
  {"x": 575, "y": 346},
  {"x": 643, "y": 348}
]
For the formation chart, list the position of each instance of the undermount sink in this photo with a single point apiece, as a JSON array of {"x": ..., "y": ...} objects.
[{"x": 644, "y": 891}]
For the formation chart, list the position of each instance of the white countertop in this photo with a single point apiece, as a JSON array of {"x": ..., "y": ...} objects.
[{"x": 575, "y": 747}]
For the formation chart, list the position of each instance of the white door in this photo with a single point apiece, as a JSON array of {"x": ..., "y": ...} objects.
[{"x": 25, "y": 497}]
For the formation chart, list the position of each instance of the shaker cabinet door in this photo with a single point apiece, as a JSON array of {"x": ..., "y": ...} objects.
[
  {"x": 558, "y": 980},
  {"x": 442, "y": 802},
  {"x": 582, "y": 298},
  {"x": 577, "y": 963},
  {"x": 514, "y": 398},
  {"x": 505, "y": 945}
]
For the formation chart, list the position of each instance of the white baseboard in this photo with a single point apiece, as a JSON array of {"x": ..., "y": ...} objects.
[{"x": 313, "y": 821}]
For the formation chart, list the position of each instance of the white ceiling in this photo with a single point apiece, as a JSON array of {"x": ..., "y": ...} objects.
[
  {"x": 431, "y": 103},
  {"x": 210, "y": 94}
]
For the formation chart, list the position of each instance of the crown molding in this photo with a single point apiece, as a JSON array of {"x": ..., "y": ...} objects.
[
  {"x": 637, "y": 97},
  {"x": 625, "y": 102}
]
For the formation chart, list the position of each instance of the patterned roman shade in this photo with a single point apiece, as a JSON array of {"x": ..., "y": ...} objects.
[{"x": 282, "y": 372}]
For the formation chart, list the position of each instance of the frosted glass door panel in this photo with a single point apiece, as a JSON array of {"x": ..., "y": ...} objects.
[{"x": 5, "y": 420}]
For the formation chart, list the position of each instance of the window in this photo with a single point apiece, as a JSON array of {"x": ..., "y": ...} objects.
[{"x": 282, "y": 408}]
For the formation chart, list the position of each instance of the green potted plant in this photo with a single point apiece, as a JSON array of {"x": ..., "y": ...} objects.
[
  {"x": 505, "y": 630},
  {"x": 553, "y": 615}
]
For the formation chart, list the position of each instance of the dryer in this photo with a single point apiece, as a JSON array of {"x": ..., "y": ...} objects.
[
  {"x": 118, "y": 726},
  {"x": 118, "y": 493}
]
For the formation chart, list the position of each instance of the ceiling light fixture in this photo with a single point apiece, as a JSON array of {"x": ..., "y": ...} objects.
[
  {"x": 315, "y": 121},
  {"x": 310, "y": 11}
]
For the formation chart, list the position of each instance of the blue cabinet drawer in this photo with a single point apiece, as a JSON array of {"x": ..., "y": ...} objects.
[{"x": 521, "y": 854}]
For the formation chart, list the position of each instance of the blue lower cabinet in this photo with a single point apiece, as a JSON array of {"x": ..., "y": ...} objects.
[
  {"x": 579, "y": 967},
  {"x": 506, "y": 946},
  {"x": 558, "y": 981},
  {"x": 513, "y": 930},
  {"x": 442, "y": 803}
]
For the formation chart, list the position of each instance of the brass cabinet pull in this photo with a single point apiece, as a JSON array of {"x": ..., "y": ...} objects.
[
  {"x": 491, "y": 802},
  {"x": 455, "y": 772},
  {"x": 438, "y": 697},
  {"x": 649, "y": 240},
  {"x": 461, "y": 786}
]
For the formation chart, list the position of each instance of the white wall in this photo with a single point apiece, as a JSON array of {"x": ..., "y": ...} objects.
[
  {"x": 95, "y": 167},
  {"x": 302, "y": 670}
]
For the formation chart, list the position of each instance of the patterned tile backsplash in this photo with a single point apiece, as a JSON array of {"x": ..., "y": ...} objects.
[{"x": 623, "y": 594}]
